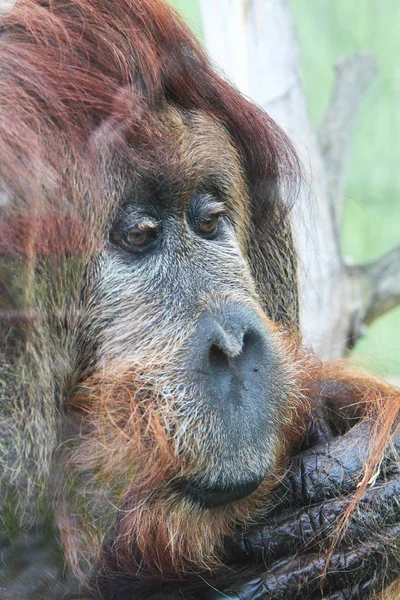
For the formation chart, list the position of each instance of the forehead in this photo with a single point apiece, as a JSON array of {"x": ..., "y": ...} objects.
[
  {"x": 185, "y": 152},
  {"x": 205, "y": 150}
]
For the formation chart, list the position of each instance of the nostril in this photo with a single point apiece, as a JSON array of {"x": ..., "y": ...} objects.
[
  {"x": 248, "y": 339},
  {"x": 253, "y": 348},
  {"x": 217, "y": 357},
  {"x": 251, "y": 342},
  {"x": 251, "y": 338}
]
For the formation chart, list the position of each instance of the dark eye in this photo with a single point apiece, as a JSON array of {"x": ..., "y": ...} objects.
[
  {"x": 140, "y": 237},
  {"x": 208, "y": 223},
  {"x": 135, "y": 237}
]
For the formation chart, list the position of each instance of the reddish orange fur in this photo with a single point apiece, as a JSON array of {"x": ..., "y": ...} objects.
[
  {"x": 71, "y": 70},
  {"x": 125, "y": 434}
]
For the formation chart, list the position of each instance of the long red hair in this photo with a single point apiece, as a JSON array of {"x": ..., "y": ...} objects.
[{"x": 66, "y": 69}]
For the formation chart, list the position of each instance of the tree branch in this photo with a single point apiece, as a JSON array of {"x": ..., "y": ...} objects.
[
  {"x": 353, "y": 76},
  {"x": 377, "y": 286}
]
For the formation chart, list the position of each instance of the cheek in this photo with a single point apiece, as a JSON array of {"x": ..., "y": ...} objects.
[
  {"x": 133, "y": 315},
  {"x": 146, "y": 306}
]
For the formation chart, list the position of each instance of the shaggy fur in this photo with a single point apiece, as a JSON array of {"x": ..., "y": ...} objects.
[{"x": 112, "y": 104}]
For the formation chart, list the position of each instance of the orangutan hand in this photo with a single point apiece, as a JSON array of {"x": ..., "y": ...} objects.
[{"x": 294, "y": 545}]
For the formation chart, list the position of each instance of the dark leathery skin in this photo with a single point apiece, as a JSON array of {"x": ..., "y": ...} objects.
[
  {"x": 323, "y": 480},
  {"x": 351, "y": 575},
  {"x": 323, "y": 499}
]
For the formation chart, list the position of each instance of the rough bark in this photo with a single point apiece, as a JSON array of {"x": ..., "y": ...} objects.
[{"x": 255, "y": 43}]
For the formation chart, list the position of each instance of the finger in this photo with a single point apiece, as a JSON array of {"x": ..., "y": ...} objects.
[
  {"x": 302, "y": 529},
  {"x": 330, "y": 470},
  {"x": 365, "y": 568}
]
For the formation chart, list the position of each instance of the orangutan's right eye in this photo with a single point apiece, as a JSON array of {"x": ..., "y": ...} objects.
[
  {"x": 133, "y": 234},
  {"x": 140, "y": 237}
]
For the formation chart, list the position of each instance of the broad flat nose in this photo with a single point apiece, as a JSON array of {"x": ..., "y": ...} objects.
[{"x": 233, "y": 355}]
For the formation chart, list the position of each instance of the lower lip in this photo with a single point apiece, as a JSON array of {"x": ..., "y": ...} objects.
[{"x": 214, "y": 497}]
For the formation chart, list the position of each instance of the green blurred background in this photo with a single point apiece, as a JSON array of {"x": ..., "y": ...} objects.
[{"x": 328, "y": 30}]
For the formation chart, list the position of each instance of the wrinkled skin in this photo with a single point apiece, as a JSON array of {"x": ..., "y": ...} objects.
[{"x": 358, "y": 566}]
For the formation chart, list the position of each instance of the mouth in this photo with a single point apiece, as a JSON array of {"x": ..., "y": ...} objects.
[{"x": 214, "y": 496}]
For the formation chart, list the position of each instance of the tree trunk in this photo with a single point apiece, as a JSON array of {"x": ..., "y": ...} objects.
[{"x": 254, "y": 42}]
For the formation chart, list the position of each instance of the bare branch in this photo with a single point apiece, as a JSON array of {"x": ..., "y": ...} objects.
[
  {"x": 377, "y": 286},
  {"x": 353, "y": 76}
]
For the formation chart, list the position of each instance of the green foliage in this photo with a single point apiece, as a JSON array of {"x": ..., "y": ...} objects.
[{"x": 190, "y": 10}]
